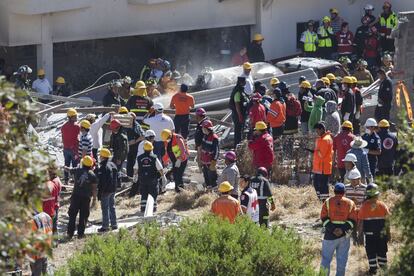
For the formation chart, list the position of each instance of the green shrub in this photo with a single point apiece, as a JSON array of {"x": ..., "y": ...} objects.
[{"x": 209, "y": 246}]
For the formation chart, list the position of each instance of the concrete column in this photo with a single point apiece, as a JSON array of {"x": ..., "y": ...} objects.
[
  {"x": 44, "y": 51},
  {"x": 257, "y": 28}
]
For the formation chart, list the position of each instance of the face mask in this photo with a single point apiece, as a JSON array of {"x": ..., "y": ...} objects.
[
  {"x": 343, "y": 87},
  {"x": 205, "y": 131},
  {"x": 368, "y": 131}
]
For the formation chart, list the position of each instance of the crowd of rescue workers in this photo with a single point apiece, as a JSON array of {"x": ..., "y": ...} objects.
[{"x": 329, "y": 110}]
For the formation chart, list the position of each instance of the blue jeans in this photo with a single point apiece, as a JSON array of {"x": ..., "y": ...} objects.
[
  {"x": 69, "y": 156},
  {"x": 159, "y": 149},
  {"x": 341, "y": 246},
  {"x": 108, "y": 210},
  {"x": 304, "y": 128}
]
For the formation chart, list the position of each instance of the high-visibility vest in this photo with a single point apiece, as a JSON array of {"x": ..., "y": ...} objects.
[
  {"x": 325, "y": 42},
  {"x": 310, "y": 42},
  {"x": 327, "y": 202},
  {"x": 390, "y": 22},
  {"x": 176, "y": 148}
]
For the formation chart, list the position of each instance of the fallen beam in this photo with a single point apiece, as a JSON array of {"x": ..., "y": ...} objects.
[{"x": 61, "y": 98}]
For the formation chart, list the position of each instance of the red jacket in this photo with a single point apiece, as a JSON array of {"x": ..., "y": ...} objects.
[
  {"x": 70, "y": 132},
  {"x": 262, "y": 148},
  {"x": 51, "y": 202},
  {"x": 257, "y": 112},
  {"x": 371, "y": 47},
  {"x": 341, "y": 145},
  {"x": 237, "y": 59},
  {"x": 345, "y": 41}
]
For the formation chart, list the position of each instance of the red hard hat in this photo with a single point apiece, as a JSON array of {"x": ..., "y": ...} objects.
[
  {"x": 200, "y": 112},
  {"x": 230, "y": 155},
  {"x": 114, "y": 124},
  {"x": 262, "y": 171},
  {"x": 207, "y": 124}
]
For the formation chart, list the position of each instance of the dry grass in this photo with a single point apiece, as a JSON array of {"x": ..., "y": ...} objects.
[{"x": 187, "y": 200}]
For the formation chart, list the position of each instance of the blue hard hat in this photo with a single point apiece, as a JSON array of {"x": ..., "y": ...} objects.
[{"x": 339, "y": 188}]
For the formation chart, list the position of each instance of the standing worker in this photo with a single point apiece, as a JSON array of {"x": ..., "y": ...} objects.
[
  {"x": 201, "y": 116},
  {"x": 341, "y": 145},
  {"x": 248, "y": 199},
  {"x": 107, "y": 174},
  {"x": 264, "y": 194},
  {"x": 374, "y": 215},
  {"x": 261, "y": 146},
  {"x": 325, "y": 39},
  {"x": 339, "y": 217},
  {"x": 345, "y": 40},
  {"x": 389, "y": 144},
  {"x": 348, "y": 104},
  {"x": 139, "y": 102},
  {"x": 209, "y": 154},
  {"x": 309, "y": 39},
  {"x": 80, "y": 201},
  {"x": 255, "y": 50},
  {"x": 249, "y": 85},
  {"x": 41, "y": 84},
  {"x": 257, "y": 111},
  {"x": 277, "y": 115},
  {"x": 150, "y": 168},
  {"x": 238, "y": 106},
  {"x": 182, "y": 103},
  {"x": 358, "y": 148},
  {"x": 362, "y": 74},
  {"x": 118, "y": 143},
  {"x": 70, "y": 132},
  {"x": 336, "y": 20},
  {"x": 305, "y": 94},
  {"x": 374, "y": 144},
  {"x": 96, "y": 131},
  {"x": 358, "y": 105},
  {"x": 226, "y": 206},
  {"x": 85, "y": 139},
  {"x": 178, "y": 153},
  {"x": 388, "y": 21},
  {"x": 385, "y": 92},
  {"x": 231, "y": 172},
  {"x": 42, "y": 224},
  {"x": 112, "y": 96}
]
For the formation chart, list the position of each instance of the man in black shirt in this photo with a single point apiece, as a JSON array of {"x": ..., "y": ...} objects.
[
  {"x": 382, "y": 111},
  {"x": 112, "y": 97}
]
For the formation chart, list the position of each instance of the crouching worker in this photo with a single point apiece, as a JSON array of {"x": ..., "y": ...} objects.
[
  {"x": 150, "y": 168},
  {"x": 248, "y": 199},
  {"x": 338, "y": 216},
  {"x": 264, "y": 194},
  {"x": 107, "y": 174},
  {"x": 226, "y": 206},
  {"x": 374, "y": 214}
]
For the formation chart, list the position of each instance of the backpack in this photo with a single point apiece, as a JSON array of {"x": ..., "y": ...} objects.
[{"x": 293, "y": 107}]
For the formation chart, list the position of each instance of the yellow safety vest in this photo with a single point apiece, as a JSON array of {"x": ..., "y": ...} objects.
[
  {"x": 325, "y": 42},
  {"x": 390, "y": 22},
  {"x": 310, "y": 42}
]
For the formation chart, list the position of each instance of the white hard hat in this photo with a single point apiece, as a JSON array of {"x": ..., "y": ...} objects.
[
  {"x": 371, "y": 122},
  {"x": 350, "y": 157},
  {"x": 354, "y": 174},
  {"x": 158, "y": 106},
  {"x": 369, "y": 7},
  {"x": 149, "y": 133}
]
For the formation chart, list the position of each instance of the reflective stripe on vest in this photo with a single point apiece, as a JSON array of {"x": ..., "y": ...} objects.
[
  {"x": 325, "y": 42},
  {"x": 310, "y": 42},
  {"x": 390, "y": 22},
  {"x": 175, "y": 148},
  {"x": 336, "y": 221}
]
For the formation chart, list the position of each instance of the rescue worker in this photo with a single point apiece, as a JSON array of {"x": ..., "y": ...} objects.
[
  {"x": 276, "y": 116},
  {"x": 112, "y": 96},
  {"x": 389, "y": 144},
  {"x": 147, "y": 70},
  {"x": 374, "y": 215},
  {"x": 358, "y": 148},
  {"x": 322, "y": 161},
  {"x": 341, "y": 145},
  {"x": 41, "y": 84},
  {"x": 385, "y": 92},
  {"x": 305, "y": 93},
  {"x": 368, "y": 10},
  {"x": 96, "y": 130},
  {"x": 177, "y": 151},
  {"x": 85, "y": 139},
  {"x": 80, "y": 201},
  {"x": 61, "y": 88},
  {"x": 363, "y": 75},
  {"x": 323, "y": 89},
  {"x": 371, "y": 50},
  {"x": 350, "y": 162},
  {"x": 334, "y": 86},
  {"x": 158, "y": 123},
  {"x": 332, "y": 118},
  {"x": 336, "y": 20},
  {"x": 373, "y": 144},
  {"x": 226, "y": 206},
  {"x": 40, "y": 224},
  {"x": 264, "y": 194},
  {"x": 182, "y": 103},
  {"x": 348, "y": 104},
  {"x": 125, "y": 90},
  {"x": 339, "y": 217},
  {"x": 240, "y": 57},
  {"x": 70, "y": 132},
  {"x": 325, "y": 39},
  {"x": 358, "y": 105},
  {"x": 387, "y": 63},
  {"x": 293, "y": 111},
  {"x": 309, "y": 39},
  {"x": 238, "y": 106},
  {"x": 118, "y": 144},
  {"x": 274, "y": 83},
  {"x": 261, "y": 146},
  {"x": 356, "y": 191},
  {"x": 22, "y": 77},
  {"x": 107, "y": 174},
  {"x": 209, "y": 154},
  {"x": 231, "y": 173},
  {"x": 150, "y": 169},
  {"x": 152, "y": 90},
  {"x": 139, "y": 103},
  {"x": 248, "y": 199},
  {"x": 361, "y": 35},
  {"x": 50, "y": 203},
  {"x": 255, "y": 50},
  {"x": 345, "y": 40},
  {"x": 257, "y": 111},
  {"x": 343, "y": 71},
  {"x": 201, "y": 116},
  {"x": 249, "y": 85},
  {"x": 388, "y": 21}
]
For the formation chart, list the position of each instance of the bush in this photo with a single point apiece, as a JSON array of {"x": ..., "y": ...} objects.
[{"x": 209, "y": 246}]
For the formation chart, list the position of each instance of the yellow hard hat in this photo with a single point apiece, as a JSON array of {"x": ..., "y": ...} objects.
[
  {"x": 347, "y": 80},
  {"x": 148, "y": 146},
  {"x": 225, "y": 187},
  {"x": 354, "y": 79},
  {"x": 258, "y": 37},
  {"x": 105, "y": 153},
  {"x": 71, "y": 112},
  {"x": 326, "y": 19},
  {"x": 305, "y": 84},
  {"x": 60, "y": 80},
  {"x": 166, "y": 134},
  {"x": 247, "y": 66},
  {"x": 140, "y": 85},
  {"x": 274, "y": 81},
  {"x": 85, "y": 124},
  {"x": 123, "y": 110},
  {"x": 334, "y": 10},
  {"x": 384, "y": 123},
  {"x": 326, "y": 80},
  {"x": 347, "y": 124},
  {"x": 41, "y": 72},
  {"x": 331, "y": 76},
  {"x": 87, "y": 161},
  {"x": 260, "y": 125}
]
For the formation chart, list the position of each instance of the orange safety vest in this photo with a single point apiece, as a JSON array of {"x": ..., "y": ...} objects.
[{"x": 323, "y": 154}]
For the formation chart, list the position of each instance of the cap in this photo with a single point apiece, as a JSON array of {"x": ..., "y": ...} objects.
[{"x": 158, "y": 107}]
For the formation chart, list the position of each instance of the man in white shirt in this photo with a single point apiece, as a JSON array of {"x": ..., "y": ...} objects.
[
  {"x": 96, "y": 131},
  {"x": 149, "y": 136},
  {"x": 41, "y": 84},
  {"x": 247, "y": 68},
  {"x": 158, "y": 123}
]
